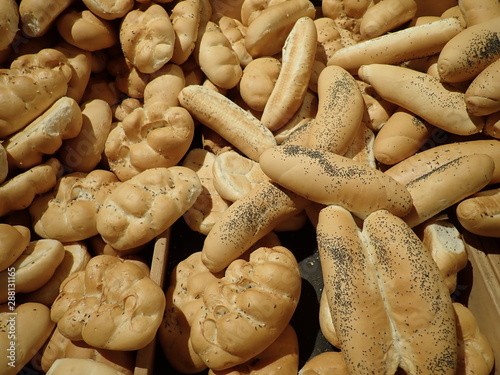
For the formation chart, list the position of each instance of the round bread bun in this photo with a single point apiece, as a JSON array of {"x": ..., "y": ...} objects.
[
  {"x": 22, "y": 335},
  {"x": 79, "y": 366}
]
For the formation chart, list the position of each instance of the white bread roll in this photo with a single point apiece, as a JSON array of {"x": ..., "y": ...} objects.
[
  {"x": 209, "y": 206},
  {"x": 14, "y": 240},
  {"x": 84, "y": 152},
  {"x": 480, "y": 213},
  {"x": 34, "y": 267},
  {"x": 248, "y": 309},
  {"x": 446, "y": 246},
  {"x": 281, "y": 357},
  {"x": 112, "y": 304},
  {"x": 69, "y": 211},
  {"x": 476, "y": 355},
  {"x": 79, "y": 366},
  {"x": 328, "y": 178},
  {"x": 146, "y": 205},
  {"x": 184, "y": 297},
  {"x": 58, "y": 346},
  {"x": 390, "y": 306},
  {"x": 446, "y": 185},
  {"x": 31, "y": 327},
  {"x": 236, "y": 175},
  {"x": 246, "y": 221},
  {"x": 325, "y": 363},
  {"x": 76, "y": 257}
]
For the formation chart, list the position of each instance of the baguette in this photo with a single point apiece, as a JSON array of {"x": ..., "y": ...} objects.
[
  {"x": 447, "y": 185},
  {"x": 399, "y": 46},
  {"x": 293, "y": 79},
  {"x": 328, "y": 178},
  {"x": 480, "y": 213},
  {"x": 340, "y": 111},
  {"x": 228, "y": 119},
  {"x": 426, "y": 161},
  {"x": 378, "y": 279},
  {"x": 246, "y": 221},
  {"x": 423, "y": 95},
  {"x": 469, "y": 52}
]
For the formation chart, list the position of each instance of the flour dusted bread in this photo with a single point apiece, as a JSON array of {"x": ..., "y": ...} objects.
[
  {"x": 144, "y": 206},
  {"x": 32, "y": 327},
  {"x": 248, "y": 309},
  {"x": 112, "y": 304},
  {"x": 384, "y": 288},
  {"x": 328, "y": 178}
]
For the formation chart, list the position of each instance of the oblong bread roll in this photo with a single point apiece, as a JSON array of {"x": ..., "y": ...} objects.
[
  {"x": 447, "y": 185},
  {"x": 379, "y": 279},
  {"x": 480, "y": 213},
  {"x": 424, "y": 95},
  {"x": 425, "y": 161},
  {"x": 32, "y": 326},
  {"x": 328, "y": 178}
]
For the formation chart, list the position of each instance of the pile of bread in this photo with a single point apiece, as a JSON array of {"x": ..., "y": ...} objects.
[{"x": 376, "y": 121}]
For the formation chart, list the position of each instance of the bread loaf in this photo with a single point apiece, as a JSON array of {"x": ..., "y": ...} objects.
[
  {"x": 390, "y": 306},
  {"x": 248, "y": 309},
  {"x": 141, "y": 208},
  {"x": 328, "y": 178},
  {"x": 112, "y": 304}
]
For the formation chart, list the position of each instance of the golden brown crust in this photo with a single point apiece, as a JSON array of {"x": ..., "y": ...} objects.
[
  {"x": 480, "y": 213},
  {"x": 248, "y": 309},
  {"x": 14, "y": 239},
  {"x": 328, "y": 178}
]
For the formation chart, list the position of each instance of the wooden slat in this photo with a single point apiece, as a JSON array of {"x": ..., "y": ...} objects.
[{"x": 145, "y": 357}]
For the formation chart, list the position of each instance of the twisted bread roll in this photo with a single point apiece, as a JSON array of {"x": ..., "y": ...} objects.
[
  {"x": 248, "y": 309},
  {"x": 328, "y": 178},
  {"x": 32, "y": 84},
  {"x": 69, "y": 211},
  {"x": 149, "y": 137},
  {"x": 112, "y": 304},
  {"x": 389, "y": 303},
  {"x": 141, "y": 208}
]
